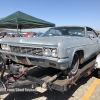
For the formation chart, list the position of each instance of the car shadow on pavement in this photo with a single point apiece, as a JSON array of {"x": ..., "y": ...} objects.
[{"x": 49, "y": 95}]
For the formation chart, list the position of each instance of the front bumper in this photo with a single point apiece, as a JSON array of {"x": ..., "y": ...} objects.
[{"x": 37, "y": 60}]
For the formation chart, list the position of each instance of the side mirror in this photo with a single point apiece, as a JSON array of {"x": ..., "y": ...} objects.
[{"x": 90, "y": 36}]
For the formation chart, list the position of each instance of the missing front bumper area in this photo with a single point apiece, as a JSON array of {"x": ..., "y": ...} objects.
[{"x": 42, "y": 61}]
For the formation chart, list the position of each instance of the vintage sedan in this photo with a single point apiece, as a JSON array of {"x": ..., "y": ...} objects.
[{"x": 62, "y": 48}]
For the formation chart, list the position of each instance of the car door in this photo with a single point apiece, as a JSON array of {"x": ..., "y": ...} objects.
[{"x": 92, "y": 46}]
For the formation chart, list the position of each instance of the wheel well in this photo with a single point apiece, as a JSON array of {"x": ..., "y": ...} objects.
[{"x": 80, "y": 55}]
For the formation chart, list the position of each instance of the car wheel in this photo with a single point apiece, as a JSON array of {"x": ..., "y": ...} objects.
[{"x": 74, "y": 66}]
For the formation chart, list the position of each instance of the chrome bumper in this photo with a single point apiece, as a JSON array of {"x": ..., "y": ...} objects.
[{"x": 37, "y": 60}]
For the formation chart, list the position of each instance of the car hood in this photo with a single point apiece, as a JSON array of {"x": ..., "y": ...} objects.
[{"x": 36, "y": 40}]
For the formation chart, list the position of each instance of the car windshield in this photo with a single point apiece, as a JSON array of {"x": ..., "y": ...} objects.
[{"x": 66, "y": 31}]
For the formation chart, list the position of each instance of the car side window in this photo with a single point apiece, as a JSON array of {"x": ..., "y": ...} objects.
[
  {"x": 91, "y": 32},
  {"x": 95, "y": 35}
]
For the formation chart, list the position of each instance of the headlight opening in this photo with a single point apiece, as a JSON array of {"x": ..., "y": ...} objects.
[
  {"x": 5, "y": 47},
  {"x": 54, "y": 53},
  {"x": 47, "y": 52},
  {"x": 50, "y": 52}
]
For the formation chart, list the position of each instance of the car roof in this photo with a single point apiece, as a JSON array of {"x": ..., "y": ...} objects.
[{"x": 69, "y": 26}]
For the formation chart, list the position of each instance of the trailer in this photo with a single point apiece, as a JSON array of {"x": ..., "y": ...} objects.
[{"x": 49, "y": 78}]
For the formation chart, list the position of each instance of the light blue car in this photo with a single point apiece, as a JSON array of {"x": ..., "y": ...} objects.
[{"x": 62, "y": 48}]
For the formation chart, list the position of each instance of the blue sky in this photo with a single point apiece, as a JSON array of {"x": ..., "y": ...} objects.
[{"x": 60, "y": 12}]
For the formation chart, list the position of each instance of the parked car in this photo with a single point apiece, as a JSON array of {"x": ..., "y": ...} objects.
[{"x": 62, "y": 48}]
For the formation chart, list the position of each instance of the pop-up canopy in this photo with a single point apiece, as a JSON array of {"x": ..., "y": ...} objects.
[{"x": 21, "y": 20}]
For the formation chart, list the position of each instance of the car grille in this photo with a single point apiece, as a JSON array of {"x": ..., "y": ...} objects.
[{"x": 27, "y": 50}]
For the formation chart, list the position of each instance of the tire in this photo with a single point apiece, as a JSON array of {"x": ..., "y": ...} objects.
[
  {"x": 98, "y": 73},
  {"x": 74, "y": 66}
]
